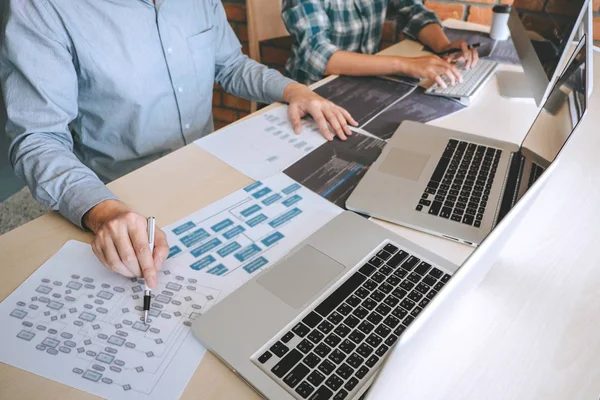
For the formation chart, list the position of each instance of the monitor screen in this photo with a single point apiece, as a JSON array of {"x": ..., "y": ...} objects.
[{"x": 549, "y": 26}]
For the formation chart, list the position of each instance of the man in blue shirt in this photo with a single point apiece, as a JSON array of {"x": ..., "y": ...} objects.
[{"x": 95, "y": 89}]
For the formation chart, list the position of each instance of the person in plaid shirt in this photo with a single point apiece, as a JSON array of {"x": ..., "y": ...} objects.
[{"x": 340, "y": 37}]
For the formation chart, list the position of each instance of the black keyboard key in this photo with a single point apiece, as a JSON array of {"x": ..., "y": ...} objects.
[
  {"x": 333, "y": 340},
  {"x": 372, "y": 361},
  {"x": 326, "y": 367},
  {"x": 416, "y": 311},
  {"x": 386, "y": 270},
  {"x": 344, "y": 371},
  {"x": 316, "y": 378},
  {"x": 390, "y": 248},
  {"x": 353, "y": 300},
  {"x": 367, "y": 269},
  {"x": 355, "y": 360},
  {"x": 446, "y": 212},
  {"x": 431, "y": 294},
  {"x": 357, "y": 336},
  {"x": 435, "y": 208},
  {"x": 456, "y": 217},
  {"x": 340, "y": 294},
  {"x": 347, "y": 346},
  {"x": 436, "y": 273},
  {"x": 438, "y": 286},
  {"x": 341, "y": 395},
  {"x": 296, "y": 375},
  {"x": 399, "y": 293},
  {"x": 391, "y": 301},
  {"x": 376, "y": 261},
  {"x": 322, "y": 393},
  {"x": 344, "y": 309},
  {"x": 391, "y": 321},
  {"x": 360, "y": 312},
  {"x": 334, "y": 382},
  {"x": 366, "y": 327},
  {"x": 377, "y": 296},
  {"x": 370, "y": 285},
  {"x": 362, "y": 292},
  {"x": 385, "y": 287},
  {"x": 364, "y": 350},
  {"x": 279, "y": 349},
  {"x": 383, "y": 309},
  {"x": 325, "y": 327},
  {"x": 312, "y": 360},
  {"x": 383, "y": 331},
  {"x": 351, "y": 321},
  {"x": 397, "y": 259},
  {"x": 300, "y": 329},
  {"x": 400, "y": 273},
  {"x": 304, "y": 390},
  {"x": 423, "y": 303},
  {"x": 312, "y": 319},
  {"x": 398, "y": 331},
  {"x": 391, "y": 340},
  {"x": 374, "y": 318},
  {"x": 414, "y": 277},
  {"x": 373, "y": 340},
  {"x": 369, "y": 303},
  {"x": 351, "y": 384},
  {"x": 378, "y": 277},
  {"x": 342, "y": 330},
  {"x": 438, "y": 174},
  {"x": 305, "y": 346},
  {"x": 400, "y": 312},
  {"x": 408, "y": 320},
  {"x": 468, "y": 219},
  {"x": 287, "y": 337},
  {"x": 415, "y": 296},
  {"x": 362, "y": 372},
  {"x": 322, "y": 350},
  {"x": 407, "y": 304},
  {"x": 335, "y": 318},
  {"x": 337, "y": 356},
  {"x": 429, "y": 280},
  {"x": 422, "y": 287},
  {"x": 393, "y": 280},
  {"x": 410, "y": 263},
  {"x": 422, "y": 268},
  {"x": 287, "y": 363},
  {"x": 315, "y": 336},
  {"x": 384, "y": 255},
  {"x": 265, "y": 357},
  {"x": 445, "y": 278},
  {"x": 477, "y": 224},
  {"x": 381, "y": 350}
]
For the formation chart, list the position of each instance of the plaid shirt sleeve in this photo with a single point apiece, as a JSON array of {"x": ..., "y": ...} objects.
[
  {"x": 412, "y": 16},
  {"x": 310, "y": 27}
]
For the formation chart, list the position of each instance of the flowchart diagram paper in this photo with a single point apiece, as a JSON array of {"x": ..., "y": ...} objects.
[
  {"x": 75, "y": 322},
  {"x": 264, "y": 145}
]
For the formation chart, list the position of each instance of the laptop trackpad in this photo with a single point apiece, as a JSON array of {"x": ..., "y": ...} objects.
[
  {"x": 404, "y": 164},
  {"x": 298, "y": 278}
]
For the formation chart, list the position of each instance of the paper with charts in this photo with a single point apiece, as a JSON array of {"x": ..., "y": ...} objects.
[
  {"x": 77, "y": 323},
  {"x": 264, "y": 145}
]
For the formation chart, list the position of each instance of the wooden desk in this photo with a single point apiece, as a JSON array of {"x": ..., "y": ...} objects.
[{"x": 190, "y": 179}]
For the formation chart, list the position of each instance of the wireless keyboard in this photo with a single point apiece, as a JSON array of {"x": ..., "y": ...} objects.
[{"x": 473, "y": 80}]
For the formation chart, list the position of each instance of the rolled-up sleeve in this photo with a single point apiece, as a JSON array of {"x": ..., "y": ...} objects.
[
  {"x": 310, "y": 27},
  {"x": 39, "y": 85},
  {"x": 237, "y": 73},
  {"x": 412, "y": 15}
]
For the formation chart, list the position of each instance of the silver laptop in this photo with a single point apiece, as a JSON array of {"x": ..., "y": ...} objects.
[
  {"x": 458, "y": 185},
  {"x": 318, "y": 324}
]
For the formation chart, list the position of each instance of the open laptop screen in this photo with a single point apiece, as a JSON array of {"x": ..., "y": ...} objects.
[{"x": 557, "y": 119}]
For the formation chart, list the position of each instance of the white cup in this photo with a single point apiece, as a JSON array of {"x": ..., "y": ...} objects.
[{"x": 499, "y": 29}]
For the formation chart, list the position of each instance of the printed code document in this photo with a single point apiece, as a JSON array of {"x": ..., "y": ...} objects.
[
  {"x": 264, "y": 145},
  {"x": 77, "y": 323}
]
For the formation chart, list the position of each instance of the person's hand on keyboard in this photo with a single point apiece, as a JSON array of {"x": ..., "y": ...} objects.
[
  {"x": 432, "y": 67},
  {"x": 469, "y": 57}
]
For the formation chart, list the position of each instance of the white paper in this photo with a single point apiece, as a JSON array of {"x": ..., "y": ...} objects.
[
  {"x": 264, "y": 145},
  {"x": 108, "y": 356}
]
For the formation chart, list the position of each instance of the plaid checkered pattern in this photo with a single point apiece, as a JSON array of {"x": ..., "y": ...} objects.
[{"x": 321, "y": 27}]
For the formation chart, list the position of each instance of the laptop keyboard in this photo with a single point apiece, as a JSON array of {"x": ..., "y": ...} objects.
[
  {"x": 333, "y": 348},
  {"x": 460, "y": 186},
  {"x": 473, "y": 79},
  {"x": 536, "y": 172}
]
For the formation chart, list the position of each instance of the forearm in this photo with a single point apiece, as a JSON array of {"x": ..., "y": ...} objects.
[
  {"x": 56, "y": 177},
  {"x": 433, "y": 36},
  {"x": 356, "y": 64}
]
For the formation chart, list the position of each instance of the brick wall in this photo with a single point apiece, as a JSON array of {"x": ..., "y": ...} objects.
[{"x": 274, "y": 53}]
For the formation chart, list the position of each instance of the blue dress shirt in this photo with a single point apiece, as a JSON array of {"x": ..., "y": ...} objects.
[{"x": 95, "y": 89}]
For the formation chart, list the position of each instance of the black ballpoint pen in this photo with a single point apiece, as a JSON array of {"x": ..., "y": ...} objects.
[
  {"x": 147, "y": 292},
  {"x": 453, "y": 51}
]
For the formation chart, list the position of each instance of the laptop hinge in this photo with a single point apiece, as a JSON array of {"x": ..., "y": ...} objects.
[{"x": 511, "y": 186}]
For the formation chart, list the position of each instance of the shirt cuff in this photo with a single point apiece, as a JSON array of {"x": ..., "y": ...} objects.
[
  {"x": 319, "y": 58},
  {"x": 275, "y": 87},
  {"x": 76, "y": 202},
  {"x": 414, "y": 27}
]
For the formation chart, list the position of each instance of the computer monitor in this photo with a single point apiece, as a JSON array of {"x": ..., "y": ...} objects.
[{"x": 541, "y": 31}]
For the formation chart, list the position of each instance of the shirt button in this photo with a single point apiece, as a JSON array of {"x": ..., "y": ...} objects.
[
  {"x": 187, "y": 126},
  {"x": 180, "y": 89}
]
